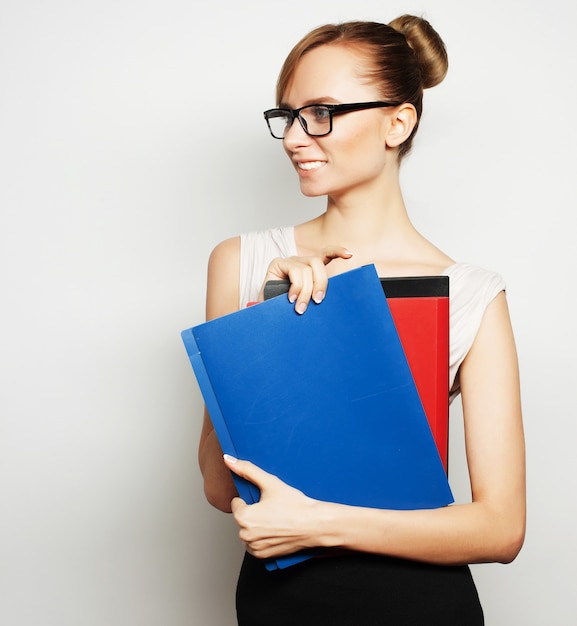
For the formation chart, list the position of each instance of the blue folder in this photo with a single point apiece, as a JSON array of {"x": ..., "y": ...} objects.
[{"x": 325, "y": 400}]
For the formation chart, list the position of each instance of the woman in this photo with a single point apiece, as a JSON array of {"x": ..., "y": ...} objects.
[{"x": 394, "y": 567}]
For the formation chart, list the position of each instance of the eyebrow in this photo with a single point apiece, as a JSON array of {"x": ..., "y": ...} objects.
[{"x": 321, "y": 100}]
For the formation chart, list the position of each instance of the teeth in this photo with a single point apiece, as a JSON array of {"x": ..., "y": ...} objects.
[{"x": 311, "y": 165}]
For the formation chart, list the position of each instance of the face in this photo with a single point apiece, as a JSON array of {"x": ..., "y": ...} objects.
[{"x": 353, "y": 156}]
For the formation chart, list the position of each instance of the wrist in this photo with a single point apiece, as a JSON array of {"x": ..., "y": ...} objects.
[{"x": 328, "y": 531}]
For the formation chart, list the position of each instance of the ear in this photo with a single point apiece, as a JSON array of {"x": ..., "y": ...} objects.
[{"x": 401, "y": 124}]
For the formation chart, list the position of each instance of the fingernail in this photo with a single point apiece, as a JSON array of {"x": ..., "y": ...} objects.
[
  {"x": 292, "y": 298},
  {"x": 230, "y": 458},
  {"x": 319, "y": 296},
  {"x": 301, "y": 308}
]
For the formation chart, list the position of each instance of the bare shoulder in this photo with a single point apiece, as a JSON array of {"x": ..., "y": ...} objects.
[
  {"x": 222, "y": 294},
  {"x": 226, "y": 252},
  {"x": 495, "y": 338}
]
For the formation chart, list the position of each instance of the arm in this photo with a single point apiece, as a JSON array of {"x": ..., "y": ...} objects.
[
  {"x": 490, "y": 528},
  {"x": 222, "y": 297}
]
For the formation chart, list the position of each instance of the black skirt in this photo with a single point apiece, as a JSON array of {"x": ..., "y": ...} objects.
[{"x": 357, "y": 590}]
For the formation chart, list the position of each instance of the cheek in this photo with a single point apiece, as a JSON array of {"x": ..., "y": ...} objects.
[
  {"x": 362, "y": 138},
  {"x": 363, "y": 153}
]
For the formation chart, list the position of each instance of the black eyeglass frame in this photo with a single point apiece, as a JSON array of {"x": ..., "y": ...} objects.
[{"x": 333, "y": 109}]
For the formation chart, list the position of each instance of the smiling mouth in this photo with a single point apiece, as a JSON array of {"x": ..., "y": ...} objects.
[{"x": 310, "y": 165}]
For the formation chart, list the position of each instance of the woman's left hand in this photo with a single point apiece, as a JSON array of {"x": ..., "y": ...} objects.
[{"x": 282, "y": 522}]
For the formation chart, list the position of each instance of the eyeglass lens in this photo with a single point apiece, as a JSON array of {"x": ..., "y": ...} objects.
[{"x": 315, "y": 120}]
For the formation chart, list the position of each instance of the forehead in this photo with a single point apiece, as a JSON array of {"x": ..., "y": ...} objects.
[{"x": 332, "y": 72}]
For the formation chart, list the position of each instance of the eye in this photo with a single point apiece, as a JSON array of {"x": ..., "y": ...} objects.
[{"x": 320, "y": 113}]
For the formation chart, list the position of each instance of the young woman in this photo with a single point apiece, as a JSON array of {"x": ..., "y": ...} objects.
[{"x": 349, "y": 100}]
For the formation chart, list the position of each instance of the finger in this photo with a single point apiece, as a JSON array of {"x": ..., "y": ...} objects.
[
  {"x": 280, "y": 267},
  {"x": 320, "y": 279},
  {"x": 307, "y": 275},
  {"x": 299, "y": 274},
  {"x": 308, "y": 280},
  {"x": 249, "y": 471},
  {"x": 237, "y": 505},
  {"x": 315, "y": 282},
  {"x": 335, "y": 252},
  {"x": 302, "y": 283}
]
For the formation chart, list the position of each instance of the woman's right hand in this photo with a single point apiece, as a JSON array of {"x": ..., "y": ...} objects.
[{"x": 307, "y": 275}]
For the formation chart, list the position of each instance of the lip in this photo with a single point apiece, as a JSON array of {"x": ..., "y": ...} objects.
[{"x": 308, "y": 166}]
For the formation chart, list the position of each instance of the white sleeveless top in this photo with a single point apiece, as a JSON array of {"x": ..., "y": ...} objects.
[{"x": 471, "y": 289}]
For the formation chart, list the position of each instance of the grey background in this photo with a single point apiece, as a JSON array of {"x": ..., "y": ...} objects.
[{"x": 131, "y": 142}]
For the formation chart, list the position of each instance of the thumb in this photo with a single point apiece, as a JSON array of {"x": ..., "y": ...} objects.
[{"x": 249, "y": 471}]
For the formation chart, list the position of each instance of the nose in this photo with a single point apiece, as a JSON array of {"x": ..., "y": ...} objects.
[{"x": 295, "y": 135}]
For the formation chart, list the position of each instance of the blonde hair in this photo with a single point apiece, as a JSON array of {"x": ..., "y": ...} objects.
[{"x": 405, "y": 57}]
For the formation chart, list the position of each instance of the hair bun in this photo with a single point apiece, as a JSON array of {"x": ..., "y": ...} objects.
[{"x": 427, "y": 45}]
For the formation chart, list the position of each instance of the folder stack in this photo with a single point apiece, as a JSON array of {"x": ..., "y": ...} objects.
[{"x": 327, "y": 400}]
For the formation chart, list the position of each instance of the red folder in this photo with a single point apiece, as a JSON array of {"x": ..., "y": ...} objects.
[{"x": 420, "y": 309}]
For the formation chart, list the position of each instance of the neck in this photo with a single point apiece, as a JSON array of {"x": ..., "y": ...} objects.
[
  {"x": 374, "y": 225},
  {"x": 365, "y": 217},
  {"x": 372, "y": 222}
]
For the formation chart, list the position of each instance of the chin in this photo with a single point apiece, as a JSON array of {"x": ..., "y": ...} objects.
[{"x": 311, "y": 191}]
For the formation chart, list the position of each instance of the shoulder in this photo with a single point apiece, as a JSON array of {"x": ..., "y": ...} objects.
[
  {"x": 225, "y": 252},
  {"x": 257, "y": 250},
  {"x": 237, "y": 266},
  {"x": 470, "y": 285},
  {"x": 279, "y": 240},
  {"x": 224, "y": 260},
  {"x": 471, "y": 290},
  {"x": 222, "y": 280}
]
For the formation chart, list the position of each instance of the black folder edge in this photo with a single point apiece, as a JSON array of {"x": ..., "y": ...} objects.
[{"x": 397, "y": 287}]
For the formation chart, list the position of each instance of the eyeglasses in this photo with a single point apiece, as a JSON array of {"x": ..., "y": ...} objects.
[{"x": 316, "y": 119}]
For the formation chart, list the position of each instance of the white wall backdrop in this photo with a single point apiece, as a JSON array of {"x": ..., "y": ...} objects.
[{"x": 131, "y": 142}]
